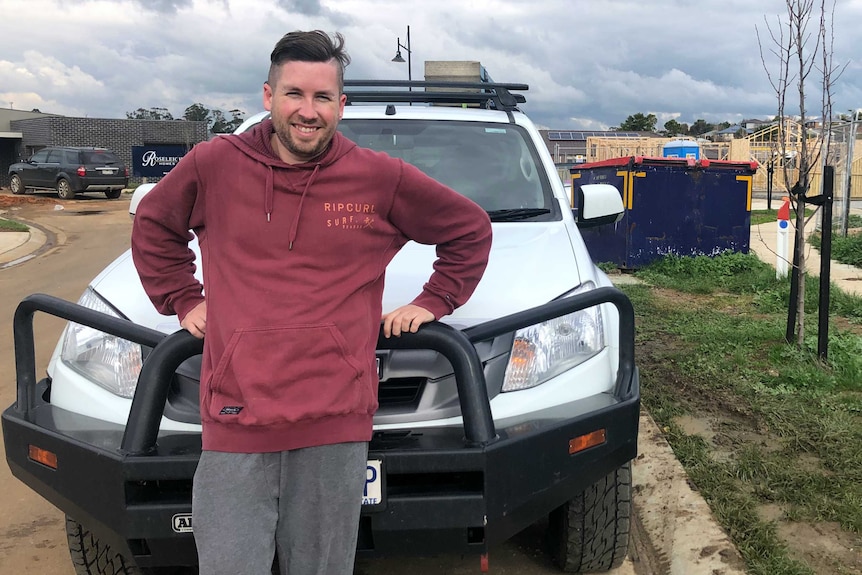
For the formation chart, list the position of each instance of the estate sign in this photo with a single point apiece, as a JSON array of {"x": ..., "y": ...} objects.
[{"x": 155, "y": 161}]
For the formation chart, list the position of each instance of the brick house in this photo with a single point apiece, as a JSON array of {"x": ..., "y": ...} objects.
[{"x": 23, "y": 133}]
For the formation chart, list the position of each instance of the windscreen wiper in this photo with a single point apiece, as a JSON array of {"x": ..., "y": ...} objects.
[{"x": 516, "y": 214}]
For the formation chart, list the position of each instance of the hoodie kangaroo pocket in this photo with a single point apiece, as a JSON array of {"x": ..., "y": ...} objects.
[{"x": 286, "y": 374}]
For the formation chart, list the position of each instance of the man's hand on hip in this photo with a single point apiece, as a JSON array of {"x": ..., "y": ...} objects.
[{"x": 405, "y": 318}]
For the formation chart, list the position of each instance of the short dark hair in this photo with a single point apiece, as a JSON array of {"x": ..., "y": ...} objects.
[{"x": 314, "y": 46}]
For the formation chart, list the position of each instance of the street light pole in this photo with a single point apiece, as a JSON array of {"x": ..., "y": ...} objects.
[{"x": 399, "y": 58}]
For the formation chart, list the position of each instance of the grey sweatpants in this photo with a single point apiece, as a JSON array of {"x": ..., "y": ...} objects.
[{"x": 305, "y": 503}]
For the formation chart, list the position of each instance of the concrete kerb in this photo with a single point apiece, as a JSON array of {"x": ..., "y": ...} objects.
[
  {"x": 19, "y": 247},
  {"x": 679, "y": 534}
]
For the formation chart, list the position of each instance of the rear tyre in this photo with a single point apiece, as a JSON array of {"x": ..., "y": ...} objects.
[
  {"x": 113, "y": 194},
  {"x": 90, "y": 556},
  {"x": 64, "y": 189},
  {"x": 16, "y": 185},
  {"x": 590, "y": 532}
]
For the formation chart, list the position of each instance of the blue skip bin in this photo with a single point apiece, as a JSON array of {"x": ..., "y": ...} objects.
[{"x": 677, "y": 206}]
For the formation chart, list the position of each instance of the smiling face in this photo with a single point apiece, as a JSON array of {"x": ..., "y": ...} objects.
[{"x": 306, "y": 104}]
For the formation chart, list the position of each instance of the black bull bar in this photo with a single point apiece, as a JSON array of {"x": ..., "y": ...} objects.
[{"x": 506, "y": 509}]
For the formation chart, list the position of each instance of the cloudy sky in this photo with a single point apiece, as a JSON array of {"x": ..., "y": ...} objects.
[{"x": 589, "y": 63}]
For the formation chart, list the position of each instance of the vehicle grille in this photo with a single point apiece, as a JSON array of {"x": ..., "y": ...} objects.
[{"x": 401, "y": 391}]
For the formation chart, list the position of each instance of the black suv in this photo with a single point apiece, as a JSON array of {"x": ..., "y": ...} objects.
[{"x": 69, "y": 171}]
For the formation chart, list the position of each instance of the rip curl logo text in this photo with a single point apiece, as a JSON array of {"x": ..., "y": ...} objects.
[
  {"x": 230, "y": 410},
  {"x": 350, "y": 215}
]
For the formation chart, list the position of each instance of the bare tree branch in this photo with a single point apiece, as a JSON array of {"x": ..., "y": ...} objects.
[{"x": 801, "y": 51}]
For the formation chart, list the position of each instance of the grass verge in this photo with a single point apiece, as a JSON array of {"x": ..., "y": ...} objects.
[
  {"x": 778, "y": 433},
  {"x": 847, "y": 250},
  {"x": 763, "y": 216},
  {"x": 12, "y": 226}
]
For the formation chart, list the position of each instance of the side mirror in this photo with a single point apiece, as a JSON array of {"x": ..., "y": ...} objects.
[
  {"x": 598, "y": 205},
  {"x": 137, "y": 196}
]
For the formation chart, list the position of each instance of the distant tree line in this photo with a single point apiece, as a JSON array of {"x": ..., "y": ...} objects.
[
  {"x": 647, "y": 123},
  {"x": 217, "y": 121}
]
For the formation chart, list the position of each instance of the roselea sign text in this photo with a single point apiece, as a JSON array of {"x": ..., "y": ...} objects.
[{"x": 155, "y": 161}]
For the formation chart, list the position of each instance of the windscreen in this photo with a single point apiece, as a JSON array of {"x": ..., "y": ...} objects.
[{"x": 495, "y": 165}]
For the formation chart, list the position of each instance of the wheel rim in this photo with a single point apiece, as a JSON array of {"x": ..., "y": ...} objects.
[
  {"x": 15, "y": 184},
  {"x": 63, "y": 189}
]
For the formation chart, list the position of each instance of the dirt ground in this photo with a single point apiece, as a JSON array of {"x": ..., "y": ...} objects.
[
  {"x": 726, "y": 423},
  {"x": 7, "y": 201}
]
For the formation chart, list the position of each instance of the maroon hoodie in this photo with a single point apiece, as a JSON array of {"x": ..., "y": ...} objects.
[{"x": 294, "y": 258}]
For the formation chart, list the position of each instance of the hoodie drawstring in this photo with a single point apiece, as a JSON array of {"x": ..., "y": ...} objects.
[
  {"x": 295, "y": 225},
  {"x": 267, "y": 199}
]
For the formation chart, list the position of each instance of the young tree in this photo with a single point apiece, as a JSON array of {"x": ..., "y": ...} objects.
[{"x": 798, "y": 53}]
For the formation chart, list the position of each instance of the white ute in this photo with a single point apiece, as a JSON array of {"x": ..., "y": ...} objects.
[{"x": 521, "y": 405}]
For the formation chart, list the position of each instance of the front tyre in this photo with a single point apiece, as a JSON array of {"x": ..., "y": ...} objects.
[
  {"x": 590, "y": 532},
  {"x": 90, "y": 556},
  {"x": 64, "y": 189},
  {"x": 16, "y": 185},
  {"x": 113, "y": 194}
]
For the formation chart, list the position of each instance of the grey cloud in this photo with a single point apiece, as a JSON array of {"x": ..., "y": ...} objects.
[
  {"x": 314, "y": 8},
  {"x": 164, "y": 6},
  {"x": 588, "y": 67},
  {"x": 307, "y": 7}
]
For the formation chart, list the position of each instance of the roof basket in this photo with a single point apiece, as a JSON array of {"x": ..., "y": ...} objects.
[{"x": 487, "y": 95}]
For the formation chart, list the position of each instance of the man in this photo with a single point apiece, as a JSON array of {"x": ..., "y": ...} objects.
[{"x": 293, "y": 309}]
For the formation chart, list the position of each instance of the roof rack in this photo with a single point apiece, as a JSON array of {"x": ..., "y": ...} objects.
[{"x": 488, "y": 95}]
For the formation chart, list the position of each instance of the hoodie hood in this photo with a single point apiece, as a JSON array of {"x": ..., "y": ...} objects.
[{"x": 257, "y": 144}]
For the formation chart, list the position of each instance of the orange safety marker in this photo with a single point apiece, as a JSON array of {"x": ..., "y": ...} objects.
[{"x": 781, "y": 250}]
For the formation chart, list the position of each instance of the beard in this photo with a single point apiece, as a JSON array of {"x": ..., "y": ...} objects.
[{"x": 305, "y": 150}]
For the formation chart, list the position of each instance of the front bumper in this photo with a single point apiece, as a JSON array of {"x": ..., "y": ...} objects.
[{"x": 445, "y": 489}]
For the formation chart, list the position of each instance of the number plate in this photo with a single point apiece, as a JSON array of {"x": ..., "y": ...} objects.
[
  {"x": 372, "y": 496},
  {"x": 107, "y": 172}
]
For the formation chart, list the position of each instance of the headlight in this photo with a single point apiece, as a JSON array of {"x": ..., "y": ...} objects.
[
  {"x": 106, "y": 360},
  {"x": 547, "y": 349}
]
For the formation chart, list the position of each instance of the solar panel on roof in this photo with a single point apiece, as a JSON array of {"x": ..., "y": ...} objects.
[
  {"x": 583, "y": 135},
  {"x": 565, "y": 136}
]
